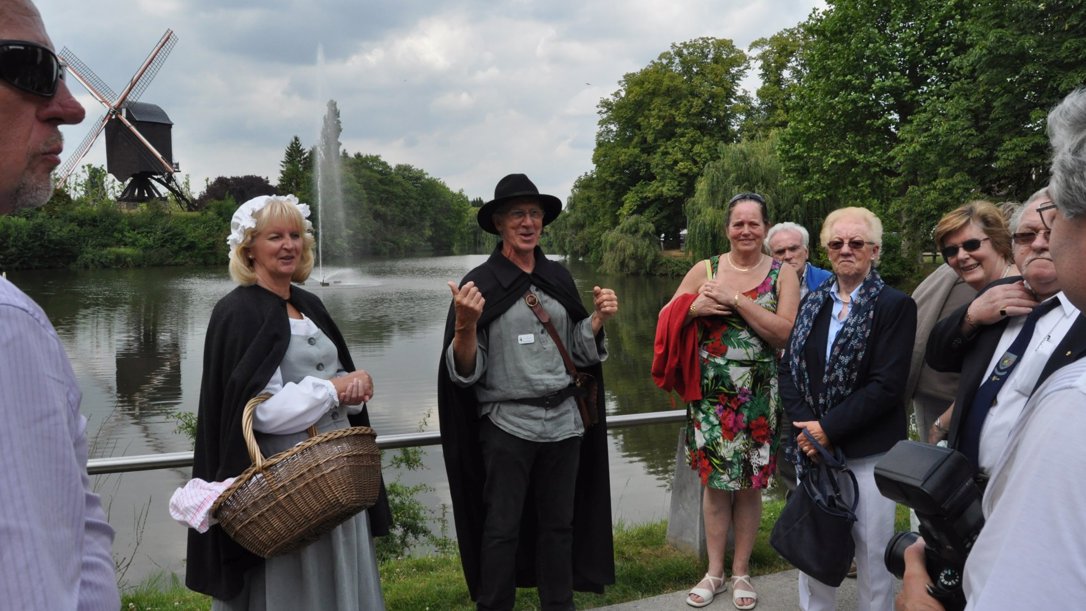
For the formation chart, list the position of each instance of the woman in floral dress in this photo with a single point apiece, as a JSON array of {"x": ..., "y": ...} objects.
[{"x": 736, "y": 310}]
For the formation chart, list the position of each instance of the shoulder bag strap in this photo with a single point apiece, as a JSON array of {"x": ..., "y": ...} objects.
[
  {"x": 532, "y": 300},
  {"x": 831, "y": 499}
]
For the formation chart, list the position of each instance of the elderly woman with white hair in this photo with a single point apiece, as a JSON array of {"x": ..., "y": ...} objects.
[
  {"x": 842, "y": 379},
  {"x": 270, "y": 336}
]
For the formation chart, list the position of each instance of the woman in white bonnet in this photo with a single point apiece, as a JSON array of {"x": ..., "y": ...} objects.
[{"x": 270, "y": 336}]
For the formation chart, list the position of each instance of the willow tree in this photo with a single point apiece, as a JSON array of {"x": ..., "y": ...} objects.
[{"x": 743, "y": 166}]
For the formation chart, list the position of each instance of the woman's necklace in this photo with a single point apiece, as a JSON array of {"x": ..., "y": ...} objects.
[{"x": 741, "y": 269}]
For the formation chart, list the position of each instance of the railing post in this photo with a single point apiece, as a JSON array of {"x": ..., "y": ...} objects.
[{"x": 685, "y": 523}]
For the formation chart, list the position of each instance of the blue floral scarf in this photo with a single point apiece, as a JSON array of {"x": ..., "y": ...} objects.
[{"x": 842, "y": 368}]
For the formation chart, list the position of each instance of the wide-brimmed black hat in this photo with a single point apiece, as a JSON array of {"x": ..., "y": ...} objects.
[{"x": 516, "y": 186}]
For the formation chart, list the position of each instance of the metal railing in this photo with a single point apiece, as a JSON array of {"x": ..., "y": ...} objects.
[{"x": 149, "y": 462}]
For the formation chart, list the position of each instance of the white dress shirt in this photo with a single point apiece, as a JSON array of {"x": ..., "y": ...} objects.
[{"x": 1019, "y": 386}]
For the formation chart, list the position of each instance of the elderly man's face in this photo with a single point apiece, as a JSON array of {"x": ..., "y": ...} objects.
[
  {"x": 30, "y": 141},
  {"x": 1031, "y": 250},
  {"x": 786, "y": 246},
  {"x": 520, "y": 224}
]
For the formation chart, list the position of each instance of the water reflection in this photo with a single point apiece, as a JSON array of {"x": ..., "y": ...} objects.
[{"x": 135, "y": 338}]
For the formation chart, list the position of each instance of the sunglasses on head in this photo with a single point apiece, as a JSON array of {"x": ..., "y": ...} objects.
[
  {"x": 854, "y": 244},
  {"x": 744, "y": 197},
  {"x": 30, "y": 67},
  {"x": 967, "y": 246}
]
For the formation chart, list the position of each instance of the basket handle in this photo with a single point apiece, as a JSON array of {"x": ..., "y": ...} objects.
[{"x": 247, "y": 429}]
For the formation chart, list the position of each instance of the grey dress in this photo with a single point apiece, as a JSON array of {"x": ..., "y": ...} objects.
[{"x": 339, "y": 570}]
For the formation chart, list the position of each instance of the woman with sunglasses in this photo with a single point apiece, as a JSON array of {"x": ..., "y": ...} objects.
[
  {"x": 974, "y": 242},
  {"x": 842, "y": 380},
  {"x": 729, "y": 316}
]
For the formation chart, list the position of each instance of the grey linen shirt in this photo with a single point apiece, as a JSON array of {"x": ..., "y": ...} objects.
[{"x": 516, "y": 359}]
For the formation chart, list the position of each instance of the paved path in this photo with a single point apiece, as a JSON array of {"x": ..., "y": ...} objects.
[{"x": 776, "y": 592}]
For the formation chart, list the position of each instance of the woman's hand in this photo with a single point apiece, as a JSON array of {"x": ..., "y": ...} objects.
[
  {"x": 713, "y": 300},
  {"x": 1000, "y": 302},
  {"x": 813, "y": 427},
  {"x": 354, "y": 388}
]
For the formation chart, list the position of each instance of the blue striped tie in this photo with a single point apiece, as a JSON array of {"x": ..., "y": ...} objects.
[{"x": 969, "y": 438}]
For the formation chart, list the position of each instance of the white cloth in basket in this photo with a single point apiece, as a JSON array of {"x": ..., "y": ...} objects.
[{"x": 191, "y": 505}]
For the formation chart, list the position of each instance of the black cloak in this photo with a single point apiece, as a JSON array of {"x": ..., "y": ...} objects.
[
  {"x": 247, "y": 337},
  {"x": 503, "y": 284}
]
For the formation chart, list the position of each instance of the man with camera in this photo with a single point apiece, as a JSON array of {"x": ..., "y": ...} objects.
[{"x": 1033, "y": 535}]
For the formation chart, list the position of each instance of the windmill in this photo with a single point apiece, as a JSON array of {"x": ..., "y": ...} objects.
[{"x": 138, "y": 145}]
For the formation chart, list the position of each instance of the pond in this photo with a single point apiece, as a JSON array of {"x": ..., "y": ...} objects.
[{"x": 135, "y": 338}]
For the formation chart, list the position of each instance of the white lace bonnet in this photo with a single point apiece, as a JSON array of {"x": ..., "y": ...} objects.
[{"x": 244, "y": 220}]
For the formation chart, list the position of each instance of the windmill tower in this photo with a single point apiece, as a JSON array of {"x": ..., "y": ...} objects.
[{"x": 139, "y": 149}]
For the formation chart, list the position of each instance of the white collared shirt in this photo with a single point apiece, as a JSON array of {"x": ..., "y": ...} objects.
[
  {"x": 1012, "y": 397},
  {"x": 835, "y": 313}
]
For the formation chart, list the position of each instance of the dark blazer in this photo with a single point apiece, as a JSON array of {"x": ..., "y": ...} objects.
[
  {"x": 950, "y": 350},
  {"x": 871, "y": 419}
]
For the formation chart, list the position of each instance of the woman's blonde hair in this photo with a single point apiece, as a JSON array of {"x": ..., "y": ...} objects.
[
  {"x": 277, "y": 210},
  {"x": 985, "y": 215}
]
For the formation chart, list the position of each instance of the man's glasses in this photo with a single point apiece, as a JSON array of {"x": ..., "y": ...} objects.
[
  {"x": 1041, "y": 213},
  {"x": 854, "y": 244},
  {"x": 742, "y": 197},
  {"x": 968, "y": 246},
  {"x": 1026, "y": 238},
  {"x": 30, "y": 67},
  {"x": 518, "y": 214}
]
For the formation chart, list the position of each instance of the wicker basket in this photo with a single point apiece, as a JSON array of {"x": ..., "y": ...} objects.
[{"x": 284, "y": 502}]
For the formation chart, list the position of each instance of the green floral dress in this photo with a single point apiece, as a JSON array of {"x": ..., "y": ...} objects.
[{"x": 730, "y": 433}]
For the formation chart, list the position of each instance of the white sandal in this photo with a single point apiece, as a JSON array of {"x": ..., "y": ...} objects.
[
  {"x": 738, "y": 594},
  {"x": 706, "y": 596}
]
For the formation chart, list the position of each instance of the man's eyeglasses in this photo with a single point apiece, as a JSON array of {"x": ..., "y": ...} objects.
[
  {"x": 518, "y": 214},
  {"x": 854, "y": 244},
  {"x": 30, "y": 67},
  {"x": 1026, "y": 238},
  {"x": 1041, "y": 213},
  {"x": 742, "y": 197},
  {"x": 968, "y": 246}
]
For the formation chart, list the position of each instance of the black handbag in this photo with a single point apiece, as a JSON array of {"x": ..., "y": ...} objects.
[{"x": 814, "y": 530}]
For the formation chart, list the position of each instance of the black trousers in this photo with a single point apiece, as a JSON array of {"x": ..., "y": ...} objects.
[{"x": 513, "y": 466}]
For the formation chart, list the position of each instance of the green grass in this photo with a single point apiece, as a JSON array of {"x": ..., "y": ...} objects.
[{"x": 645, "y": 566}]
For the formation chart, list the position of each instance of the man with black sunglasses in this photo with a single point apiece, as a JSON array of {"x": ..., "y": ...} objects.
[{"x": 55, "y": 542}]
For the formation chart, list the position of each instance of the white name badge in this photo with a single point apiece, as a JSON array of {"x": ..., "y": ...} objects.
[{"x": 527, "y": 338}]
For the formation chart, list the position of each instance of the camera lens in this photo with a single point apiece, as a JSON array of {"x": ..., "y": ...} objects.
[{"x": 894, "y": 557}]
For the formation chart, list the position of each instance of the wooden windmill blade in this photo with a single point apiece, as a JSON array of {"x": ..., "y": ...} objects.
[
  {"x": 115, "y": 103},
  {"x": 65, "y": 171}
]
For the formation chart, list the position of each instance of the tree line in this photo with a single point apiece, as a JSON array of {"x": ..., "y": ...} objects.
[
  {"x": 907, "y": 108},
  {"x": 385, "y": 210}
]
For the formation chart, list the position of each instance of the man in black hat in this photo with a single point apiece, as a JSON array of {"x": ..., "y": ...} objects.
[{"x": 528, "y": 475}]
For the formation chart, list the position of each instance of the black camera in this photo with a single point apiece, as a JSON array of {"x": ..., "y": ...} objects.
[{"x": 937, "y": 483}]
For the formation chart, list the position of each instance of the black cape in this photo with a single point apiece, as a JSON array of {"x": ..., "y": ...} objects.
[
  {"x": 247, "y": 337},
  {"x": 503, "y": 284}
]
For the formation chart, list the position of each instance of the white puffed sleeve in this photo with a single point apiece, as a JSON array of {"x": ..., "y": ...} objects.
[{"x": 293, "y": 406}]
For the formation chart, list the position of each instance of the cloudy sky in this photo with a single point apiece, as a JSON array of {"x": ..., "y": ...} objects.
[{"x": 466, "y": 90}]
